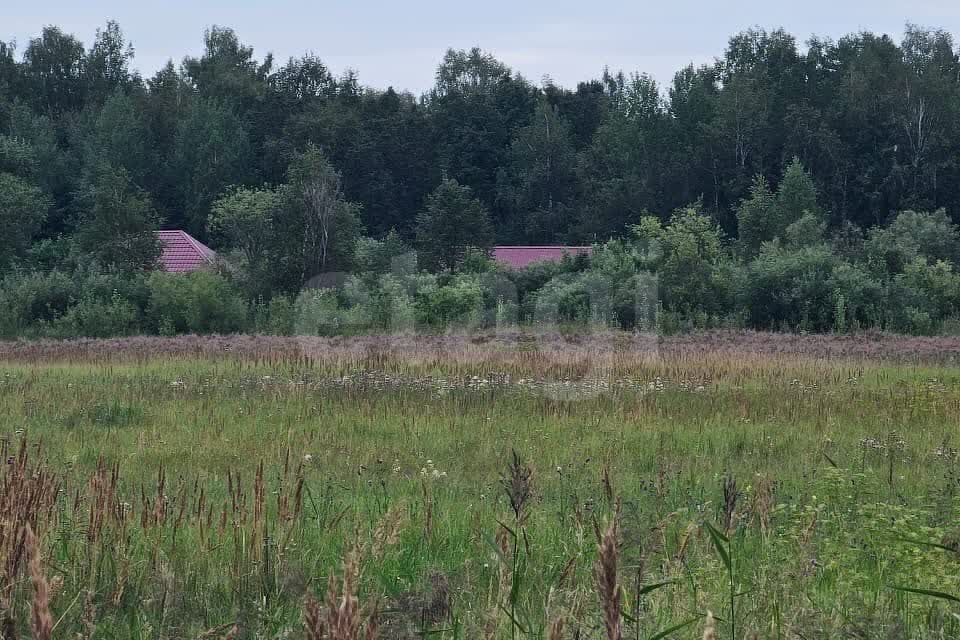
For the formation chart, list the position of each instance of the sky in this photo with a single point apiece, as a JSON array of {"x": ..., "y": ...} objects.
[{"x": 399, "y": 44}]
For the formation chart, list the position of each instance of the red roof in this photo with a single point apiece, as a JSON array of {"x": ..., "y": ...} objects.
[
  {"x": 519, "y": 257},
  {"x": 183, "y": 252}
]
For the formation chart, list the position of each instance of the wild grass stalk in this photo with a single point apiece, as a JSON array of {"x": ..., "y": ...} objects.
[
  {"x": 41, "y": 622},
  {"x": 607, "y": 580}
]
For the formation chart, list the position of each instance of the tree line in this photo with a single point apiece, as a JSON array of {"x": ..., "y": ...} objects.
[{"x": 811, "y": 186}]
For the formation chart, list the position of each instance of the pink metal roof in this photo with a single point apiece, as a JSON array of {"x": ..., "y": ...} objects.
[
  {"x": 183, "y": 252},
  {"x": 519, "y": 257}
]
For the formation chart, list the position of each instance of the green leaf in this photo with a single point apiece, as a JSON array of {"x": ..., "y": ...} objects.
[
  {"x": 666, "y": 632},
  {"x": 718, "y": 541},
  {"x": 512, "y": 533},
  {"x": 716, "y": 532},
  {"x": 653, "y": 587},
  {"x": 924, "y": 543},
  {"x": 927, "y": 592}
]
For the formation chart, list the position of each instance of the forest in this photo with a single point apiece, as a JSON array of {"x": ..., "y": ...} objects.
[{"x": 795, "y": 186}]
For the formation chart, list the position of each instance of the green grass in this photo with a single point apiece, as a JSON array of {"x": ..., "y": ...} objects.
[{"x": 845, "y": 492}]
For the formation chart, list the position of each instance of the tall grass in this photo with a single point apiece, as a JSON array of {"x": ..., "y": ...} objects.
[{"x": 398, "y": 494}]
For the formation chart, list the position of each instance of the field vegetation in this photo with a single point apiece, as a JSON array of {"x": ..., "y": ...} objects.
[{"x": 728, "y": 486}]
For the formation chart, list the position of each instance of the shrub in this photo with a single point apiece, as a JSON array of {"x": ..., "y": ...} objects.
[
  {"x": 911, "y": 235},
  {"x": 794, "y": 288},
  {"x": 92, "y": 318},
  {"x": 275, "y": 317},
  {"x": 926, "y": 294},
  {"x": 458, "y": 304},
  {"x": 317, "y": 312},
  {"x": 392, "y": 307},
  {"x": 27, "y": 299},
  {"x": 584, "y": 298},
  {"x": 197, "y": 302}
]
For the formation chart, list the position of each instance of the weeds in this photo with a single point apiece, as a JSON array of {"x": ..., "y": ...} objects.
[{"x": 220, "y": 488}]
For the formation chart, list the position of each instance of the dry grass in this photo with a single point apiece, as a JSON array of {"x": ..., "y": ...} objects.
[
  {"x": 546, "y": 352},
  {"x": 41, "y": 622},
  {"x": 339, "y": 617},
  {"x": 607, "y": 578},
  {"x": 709, "y": 628}
]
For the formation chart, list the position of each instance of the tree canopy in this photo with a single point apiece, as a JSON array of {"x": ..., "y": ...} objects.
[{"x": 832, "y": 162}]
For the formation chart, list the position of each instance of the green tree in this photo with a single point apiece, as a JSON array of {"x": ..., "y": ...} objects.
[
  {"x": 53, "y": 71},
  {"x": 756, "y": 218},
  {"x": 583, "y": 108},
  {"x": 118, "y": 223},
  {"x": 911, "y": 235},
  {"x": 10, "y": 73},
  {"x": 799, "y": 289},
  {"x": 388, "y": 255},
  {"x": 796, "y": 196},
  {"x": 17, "y": 156},
  {"x": 475, "y": 107},
  {"x": 539, "y": 176},
  {"x": 227, "y": 70},
  {"x": 383, "y": 145},
  {"x": 687, "y": 255},
  {"x": 23, "y": 209},
  {"x": 196, "y": 302},
  {"x": 452, "y": 222},
  {"x": 926, "y": 112},
  {"x": 244, "y": 219},
  {"x": 324, "y": 225},
  {"x": 302, "y": 79},
  {"x": 809, "y": 230},
  {"x": 107, "y": 66},
  {"x": 210, "y": 152},
  {"x": 31, "y": 151},
  {"x": 119, "y": 135},
  {"x": 694, "y": 162},
  {"x": 622, "y": 171}
]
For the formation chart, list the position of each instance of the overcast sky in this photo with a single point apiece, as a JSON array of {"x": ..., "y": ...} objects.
[{"x": 399, "y": 44}]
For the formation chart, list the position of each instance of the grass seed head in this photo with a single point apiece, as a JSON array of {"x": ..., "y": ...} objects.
[
  {"x": 710, "y": 628},
  {"x": 605, "y": 576},
  {"x": 517, "y": 482},
  {"x": 41, "y": 622}
]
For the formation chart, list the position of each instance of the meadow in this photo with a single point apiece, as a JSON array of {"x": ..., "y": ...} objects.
[{"x": 501, "y": 487}]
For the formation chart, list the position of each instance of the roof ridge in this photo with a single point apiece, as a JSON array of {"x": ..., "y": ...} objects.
[
  {"x": 201, "y": 248},
  {"x": 541, "y": 246}
]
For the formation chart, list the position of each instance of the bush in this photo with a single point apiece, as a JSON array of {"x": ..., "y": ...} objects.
[
  {"x": 458, "y": 304},
  {"x": 92, "y": 318},
  {"x": 87, "y": 301},
  {"x": 317, "y": 312},
  {"x": 583, "y": 298},
  {"x": 275, "y": 317},
  {"x": 392, "y": 308},
  {"x": 798, "y": 289},
  {"x": 27, "y": 299},
  {"x": 911, "y": 235},
  {"x": 197, "y": 302},
  {"x": 926, "y": 294}
]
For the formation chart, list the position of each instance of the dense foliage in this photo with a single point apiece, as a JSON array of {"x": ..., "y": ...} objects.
[{"x": 783, "y": 186}]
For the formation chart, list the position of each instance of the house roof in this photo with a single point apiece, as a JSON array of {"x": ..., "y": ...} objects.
[
  {"x": 520, "y": 256},
  {"x": 183, "y": 252}
]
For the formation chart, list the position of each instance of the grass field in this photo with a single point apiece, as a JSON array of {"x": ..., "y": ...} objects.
[{"x": 791, "y": 488}]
